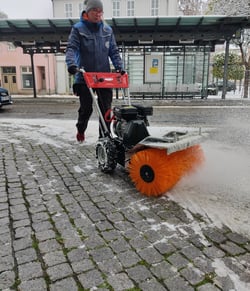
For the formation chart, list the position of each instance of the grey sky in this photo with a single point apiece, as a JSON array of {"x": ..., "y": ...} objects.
[{"x": 22, "y": 9}]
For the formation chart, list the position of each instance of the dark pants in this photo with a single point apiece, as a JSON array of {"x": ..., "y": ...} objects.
[{"x": 105, "y": 96}]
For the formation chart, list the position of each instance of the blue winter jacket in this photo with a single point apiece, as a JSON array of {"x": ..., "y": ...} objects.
[{"x": 90, "y": 45}]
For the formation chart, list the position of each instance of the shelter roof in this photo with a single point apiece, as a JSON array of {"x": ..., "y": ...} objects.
[{"x": 129, "y": 31}]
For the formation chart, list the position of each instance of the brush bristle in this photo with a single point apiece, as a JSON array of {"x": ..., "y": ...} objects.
[{"x": 167, "y": 169}]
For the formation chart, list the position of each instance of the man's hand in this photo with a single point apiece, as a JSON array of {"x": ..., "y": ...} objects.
[
  {"x": 121, "y": 71},
  {"x": 72, "y": 70}
]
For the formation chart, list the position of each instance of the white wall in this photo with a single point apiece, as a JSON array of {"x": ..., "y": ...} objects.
[{"x": 142, "y": 8}]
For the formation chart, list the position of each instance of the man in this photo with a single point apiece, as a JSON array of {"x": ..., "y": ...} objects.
[{"x": 91, "y": 44}]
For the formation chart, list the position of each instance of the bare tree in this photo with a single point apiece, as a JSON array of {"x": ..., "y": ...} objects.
[
  {"x": 244, "y": 44},
  {"x": 192, "y": 7},
  {"x": 3, "y": 15},
  {"x": 230, "y": 8}
]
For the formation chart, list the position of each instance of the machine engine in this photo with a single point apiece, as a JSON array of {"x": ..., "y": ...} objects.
[{"x": 130, "y": 123}]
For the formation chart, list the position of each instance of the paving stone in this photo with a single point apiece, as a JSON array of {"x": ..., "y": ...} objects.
[
  {"x": 111, "y": 266},
  {"x": 64, "y": 285},
  {"x": 110, "y": 235},
  {"x": 234, "y": 265},
  {"x": 22, "y": 232},
  {"x": 54, "y": 258},
  {"x": 245, "y": 260},
  {"x": 163, "y": 270},
  {"x": 7, "y": 279},
  {"x": 115, "y": 217},
  {"x": 91, "y": 279},
  {"x": 94, "y": 241},
  {"x": 45, "y": 235},
  {"x": 204, "y": 264},
  {"x": 102, "y": 254},
  {"x": 224, "y": 283},
  {"x": 215, "y": 236},
  {"x": 139, "y": 273},
  {"x": 151, "y": 285},
  {"x": 5, "y": 250},
  {"x": 247, "y": 247},
  {"x": 213, "y": 252},
  {"x": 237, "y": 238},
  {"x": 77, "y": 255},
  {"x": 104, "y": 225},
  {"x": 26, "y": 255},
  {"x": 120, "y": 245},
  {"x": 177, "y": 284},
  {"x": 84, "y": 265},
  {"x": 152, "y": 236},
  {"x": 30, "y": 271},
  {"x": 33, "y": 285},
  {"x": 179, "y": 242},
  {"x": 177, "y": 260},
  {"x": 232, "y": 248},
  {"x": 150, "y": 255},
  {"x": 42, "y": 226},
  {"x": 208, "y": 287},
  {"x": 6, "y": 263},
  {"x": 191, "y": 252},
  {"x": 139, "y": 242},
  {"x": 192, "y": 275},
  {"x": 59, "y": 272},
  {"x": 120, "y": 282},
  {"x": 49, "y": 246},
  {"x": 128, "y": 259},
  {"x": 165, "y": 248}
]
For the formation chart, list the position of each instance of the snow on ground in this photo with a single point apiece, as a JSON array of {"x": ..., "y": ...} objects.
[{"x": 219, "y": 191}]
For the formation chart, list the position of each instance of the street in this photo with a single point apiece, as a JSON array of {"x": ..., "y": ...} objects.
[{"x": 80, "y": 228}]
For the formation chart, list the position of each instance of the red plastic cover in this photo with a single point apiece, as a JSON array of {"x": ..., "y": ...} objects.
[{"x": 105, "y": 80}]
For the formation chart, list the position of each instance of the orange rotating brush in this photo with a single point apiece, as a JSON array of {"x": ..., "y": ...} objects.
[{"x": 154, "y": 172}]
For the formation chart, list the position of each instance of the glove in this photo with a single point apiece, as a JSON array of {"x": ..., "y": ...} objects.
[
  {"x": 72, "y": 70},
  {"x": 121, "y": 71}
]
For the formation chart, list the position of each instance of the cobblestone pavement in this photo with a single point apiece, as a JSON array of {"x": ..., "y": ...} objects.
[{"x": 66, "y": 226}]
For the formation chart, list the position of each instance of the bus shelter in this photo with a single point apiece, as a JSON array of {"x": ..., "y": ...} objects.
[{"x": 164, "y": 56}]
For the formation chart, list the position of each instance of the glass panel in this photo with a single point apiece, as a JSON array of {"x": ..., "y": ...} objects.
[
  {"x": 136, "y": 69},
  {"x": 9, "y": 70},
  {"x": 27, "y": 81}
]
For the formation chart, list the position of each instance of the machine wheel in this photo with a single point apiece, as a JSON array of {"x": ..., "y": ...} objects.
[
  {"x": 154, "y": 172},
  {"x": 106, "y": 155}
]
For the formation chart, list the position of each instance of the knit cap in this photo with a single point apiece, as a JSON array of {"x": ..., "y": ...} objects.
[{"x": 90, "y": 4}]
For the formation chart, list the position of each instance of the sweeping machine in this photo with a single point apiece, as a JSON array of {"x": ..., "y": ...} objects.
[{"x": 155, "y": 164}]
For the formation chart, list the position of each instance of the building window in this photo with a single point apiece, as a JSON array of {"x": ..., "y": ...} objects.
[
  {"x": 116, "y": 8},
  {"x": 81, "y": 8},
  {"x": 68, "y": 10},
  {"x": 27, "y": 78},
  {"x": 131, "y": 7},
  {"x": 154, "y": 7},
  {"x": 9, "y": 70}
]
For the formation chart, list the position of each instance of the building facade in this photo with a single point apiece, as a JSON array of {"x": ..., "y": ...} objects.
[
  {"x": 114, "y": 9},
  {"x": 16, "y": 73},
  {"x": 117, "y": 8}
]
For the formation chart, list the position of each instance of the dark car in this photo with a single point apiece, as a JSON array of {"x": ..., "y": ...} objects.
[
  {"x": 212, "y": 89},
  {"x": 5, "y": 98},
  {"x": 230, "y": 86}
]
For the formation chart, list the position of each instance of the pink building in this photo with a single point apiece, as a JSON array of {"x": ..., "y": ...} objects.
[{"x": 16, "y": 71}]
